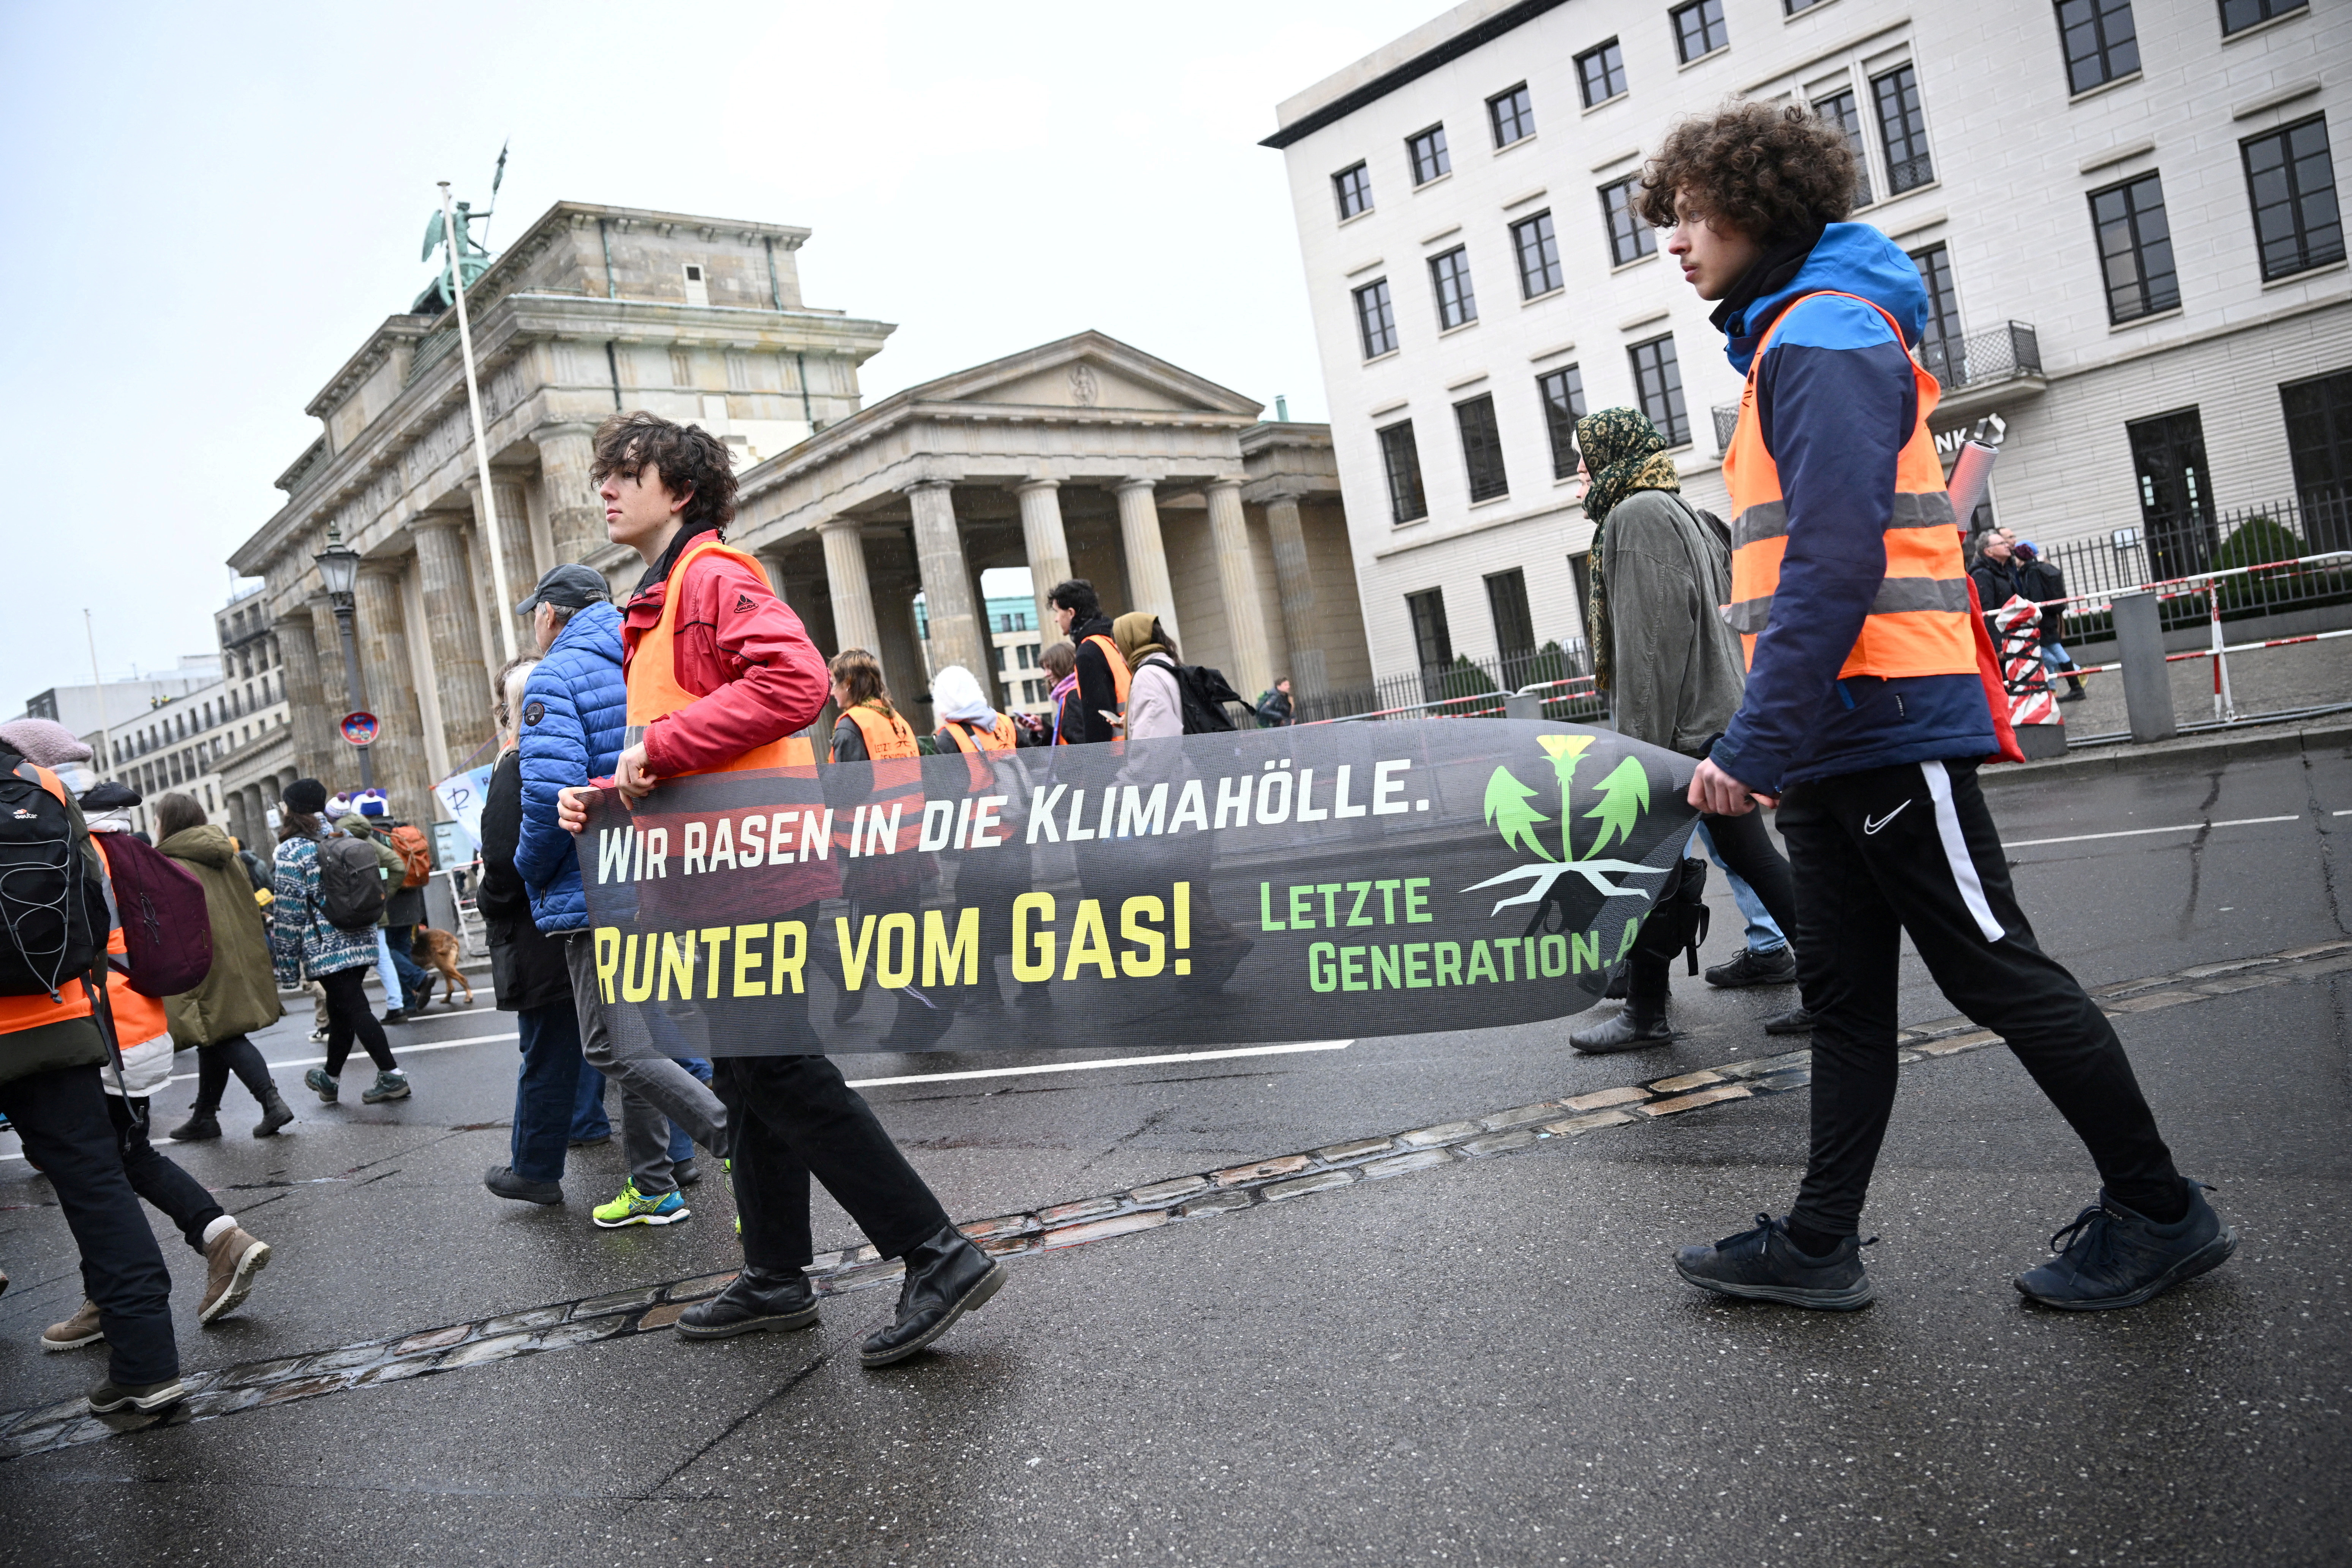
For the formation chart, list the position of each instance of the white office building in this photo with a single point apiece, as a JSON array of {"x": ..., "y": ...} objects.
[{"x": 2125, "y": 213}]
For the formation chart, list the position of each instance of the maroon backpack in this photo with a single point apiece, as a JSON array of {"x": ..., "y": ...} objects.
[{"x": 165, "y": 926}]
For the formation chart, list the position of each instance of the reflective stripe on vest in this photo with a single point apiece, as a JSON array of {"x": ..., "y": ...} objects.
[
  {"x": 1121, "y": 676},
  {"x": 654, "y": 690},
  {"x": 887, "y": 739},
  {"x": 1919, "y": 620}
]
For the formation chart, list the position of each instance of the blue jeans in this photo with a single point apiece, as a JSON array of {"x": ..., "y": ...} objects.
[
  {"x": 681, "y": 1147},
  {"x": 387, "y": 973},
  {"x": 1763, "y": 935},
  {"x": 2055, "y": 657},
  {"x": 545, "y": 1089},
  {"x": 398, "y": 939},
  {"x": 588, "y": 1119}
]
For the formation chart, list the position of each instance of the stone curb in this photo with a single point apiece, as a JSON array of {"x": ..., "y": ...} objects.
[{"x": 2188, "y": 751}]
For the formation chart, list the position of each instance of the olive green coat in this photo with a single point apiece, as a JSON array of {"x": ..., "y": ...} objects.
[{"x": 240, "y": 995}]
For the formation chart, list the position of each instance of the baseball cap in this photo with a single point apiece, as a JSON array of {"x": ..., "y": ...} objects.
[{"x": 567, "y": 587}]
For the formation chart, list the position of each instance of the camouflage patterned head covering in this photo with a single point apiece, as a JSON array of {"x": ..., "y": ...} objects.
[{"x": 1623, "y": 452}]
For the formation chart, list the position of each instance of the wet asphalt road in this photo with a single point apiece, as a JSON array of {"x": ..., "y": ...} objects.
[{"x": 1488, "y": 1362}]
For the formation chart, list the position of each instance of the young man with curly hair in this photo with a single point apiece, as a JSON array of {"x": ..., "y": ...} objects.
[
  {"x": 1864, "y": 718},
  {"x": 722, "y": 677}
]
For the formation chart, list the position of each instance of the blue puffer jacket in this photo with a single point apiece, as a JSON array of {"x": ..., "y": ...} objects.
[{"x": 575, "y": 712}]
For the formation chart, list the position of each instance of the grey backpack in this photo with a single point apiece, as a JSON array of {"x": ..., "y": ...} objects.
[{"x": 351, "y": 883}]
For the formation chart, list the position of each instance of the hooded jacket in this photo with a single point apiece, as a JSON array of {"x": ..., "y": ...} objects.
[
  {"x": 1836, "y": 400},
  {"x": 575, "y": 712},
  {"x": 240, "y": 995}
]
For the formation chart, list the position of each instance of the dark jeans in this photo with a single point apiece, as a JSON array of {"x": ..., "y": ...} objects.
[
  {"x": 62, "y": 1117},
  {"x": 215, "y": 1062},
  {"x": 682, "y": 1142},
  {"x": 179, "y": 1196},
  {"x": 348, "y": 1016},
  {"x": 1912, "y": 848},
  {"x": 791, "y": 1117},
  {"x": 1746, "y": 849},
  {"x": 546, "y": 1090},
  {"x": 401, "y": 939}
]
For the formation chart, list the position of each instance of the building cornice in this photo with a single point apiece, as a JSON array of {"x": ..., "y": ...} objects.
[{"x": 1452, "y": 46}]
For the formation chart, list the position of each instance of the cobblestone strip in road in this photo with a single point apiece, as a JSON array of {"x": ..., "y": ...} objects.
[{"x": 1281, "y": 1179}]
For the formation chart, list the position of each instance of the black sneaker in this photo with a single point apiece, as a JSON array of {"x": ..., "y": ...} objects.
[
  {"x": 504, "y": 1181},
  {"x": 1795, "y": 1021},
  {"x": 1777, "y": 967},
  {"x": 110, "y": 1396},
  {"x": 2111, "y": 1256},
  {"x": 1764, "y": 1265}
]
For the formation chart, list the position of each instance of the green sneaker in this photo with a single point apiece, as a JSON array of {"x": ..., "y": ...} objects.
[
  {"x": 633, "y": 1207},
  {"x": 387, "y": 1086}
]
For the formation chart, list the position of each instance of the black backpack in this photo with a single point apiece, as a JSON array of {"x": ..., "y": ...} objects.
[
  {"x": 351, "y": 883},
  {"x": 1204, "y": 693},
  {"x": 53, "y": 919}
]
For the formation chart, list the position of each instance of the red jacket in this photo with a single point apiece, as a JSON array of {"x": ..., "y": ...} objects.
[{"x": 741, "y": 648}]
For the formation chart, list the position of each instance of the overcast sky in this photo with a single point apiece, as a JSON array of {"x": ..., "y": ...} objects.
[{"x": 212, "y": 206}]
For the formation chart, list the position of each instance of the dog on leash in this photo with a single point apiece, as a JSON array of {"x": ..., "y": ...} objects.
[{"x": 437, "y": 951}]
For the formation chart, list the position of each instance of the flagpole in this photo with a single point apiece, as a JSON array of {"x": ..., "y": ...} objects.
[{"x": 455, "y": 240}]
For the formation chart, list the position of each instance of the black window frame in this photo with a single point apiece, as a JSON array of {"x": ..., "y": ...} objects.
[
  {"x": 1360, "y": 188},
  {"x": 1481, "y": 448},
  {"x": 1912, "y": 164},
  {"x": 1622, "y": 220},
  {"x": 1544, "y": 275},
  {"x": 1942, "y": 343},
  {"x": 1798, "y": 8},
  {"x": 2308, "y": 255},
  {"x": 1509, "y": 611},
  {"x": 1450, "y": 286},
  {"x": 2263, "y": 11},
  {"x": 1401, "y": 463},
  {"x": 1713, "y": 34},
  {"x": 1433, "y": 640},
  {"x": 1604, "y": 62},
  {"x": 1665, "y": 405},
  {"x": 1562, "y": 392},
  {"x": 2088, "y": 37},
  {"x": 1382, "y": 341},
  {"x": 1521, "y": 113},
  {"x": 2128, "y": 224},
  {"x": 1426, "y": 154},
  {"x": 1849, "y": 119},
  {"x": 2319, "y": 451}
]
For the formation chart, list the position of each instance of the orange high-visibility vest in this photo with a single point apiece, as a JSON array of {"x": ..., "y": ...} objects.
[
  {"x": 972, "y": 743},
  {"x": 1921, "y": 622},
  {"x": 887, "y": 739},
  {"x": 654, "y": 690},
  {"x": 1121, "y": 676}
]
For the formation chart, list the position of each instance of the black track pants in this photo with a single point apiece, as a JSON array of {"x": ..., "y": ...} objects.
[{"x": 1912, "y": 848}]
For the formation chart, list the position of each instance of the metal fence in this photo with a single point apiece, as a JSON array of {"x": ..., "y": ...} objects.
[
  {"x": 2173, "y": 547},
  {"x": 1469, "y": 689}
]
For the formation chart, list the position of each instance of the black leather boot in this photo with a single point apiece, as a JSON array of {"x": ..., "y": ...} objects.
[
  {"x": 947, "y": 1277},
  {"x": 275, "y": 1113},
  {"x": 756, "y": 1299},
  {"x": 1642, "y": 1022},
  {"x": 204, "y": 1124}
]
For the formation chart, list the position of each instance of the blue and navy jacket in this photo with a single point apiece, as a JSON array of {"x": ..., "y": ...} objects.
[
  {"x": 575, "y": 711},
  {"x": 1837, "y": 401}
]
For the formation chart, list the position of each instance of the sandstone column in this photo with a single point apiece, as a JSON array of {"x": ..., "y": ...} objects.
[
  {"x": 1251, "y": 669},
  {"x": 1297, "y": 581},
  {"x": 848, "y": 586},
  {"x": 514, "y": 546},
  {"x": 398, "y": 754},
  {"x": 1147, "y": 558},
  {"x": 306, "y": 696},
  {"x": 575, "y": 519},
  {"x": 947, "y": 580},
  {"x": 1048, "y": 548},
  {"x": 461, "y": 681}
]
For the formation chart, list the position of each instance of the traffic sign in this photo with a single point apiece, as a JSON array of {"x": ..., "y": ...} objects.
[{"x": 361, "y": 729}]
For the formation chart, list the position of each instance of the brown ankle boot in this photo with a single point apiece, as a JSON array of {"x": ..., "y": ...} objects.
[
  {"x": 79, "y": 1330},
  {"x": 231, "y": 1261}
]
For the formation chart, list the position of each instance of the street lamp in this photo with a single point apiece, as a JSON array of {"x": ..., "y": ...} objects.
[{"x": 339, "y": 571}]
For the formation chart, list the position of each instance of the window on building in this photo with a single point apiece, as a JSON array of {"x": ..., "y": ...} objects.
[
  {"x": 1601, "y": 73},
  {"x": 1426, "y": 153},
  {"x": 1449, "y": 274},
  {"x": 1401, "y": 461},
  {"x": 1538, "y": 248},
  {"x": 1376, "y": 319},
  {"x": 1432, "y": 643},
  {"x": 1791, "y": 7},
  {"x": 2319, "y": 444},
  {"x": 2176, "y": 499},
  {"x": 1563, "y": 391},
  {"x": 1941, "y": 346},
  {"x": 1840, "y": 109},
  {"x": 1903, "y": 128},
  {"x": 1630, "y": 238},
  {"x": 2291, "y": 180},
  {"x": 1658, "y": 383},
  {"x": 1507, "y": 602},
  {"x": 1352, "y": 188},
  {"x": 2134, "y": 248},
  {"x": 1511, "y": 115},
  {"x": 1698, "y": 29},
  {"x": 1481, "y": 448},
  {"x": 2099, "y": 39},
  {"x": 2237, "y": 16}
]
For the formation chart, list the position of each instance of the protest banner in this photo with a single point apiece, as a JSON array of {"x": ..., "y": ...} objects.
[{"x": 1260, "y": 886}]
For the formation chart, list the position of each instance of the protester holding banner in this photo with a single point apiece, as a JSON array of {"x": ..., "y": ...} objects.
[
  {"x": 1672, "y": 672},
  {"x": 1102, "y": 674},
  {"x": 1866, "y": 714},
  {"x": 870, "y": 729},
  {"x": 722, "y": 675}
]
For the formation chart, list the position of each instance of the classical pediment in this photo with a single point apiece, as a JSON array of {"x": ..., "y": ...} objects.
[{"x": 1088, "y": 371}]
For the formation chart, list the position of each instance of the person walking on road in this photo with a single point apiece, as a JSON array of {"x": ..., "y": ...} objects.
[
  {"x": 1865, "y": 715},
  {"x": 240, "y": 995},
  {"x": 573, "y": 719},
  {"x": 305, "y": 944},
  {"x": 722, "y": 675},
  {"x": 344, "y": 820},
  {"x": 1102, "y": 674}
]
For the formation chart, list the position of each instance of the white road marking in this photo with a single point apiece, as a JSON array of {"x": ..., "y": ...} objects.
[
  {"x": 2140, "y": 832},
  {"x": 1108, "y": 1062},
  {"x": 398, "y": 1051}
]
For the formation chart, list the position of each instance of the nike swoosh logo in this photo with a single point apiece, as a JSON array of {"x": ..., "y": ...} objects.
[{"x": 1870, "y": 826}]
